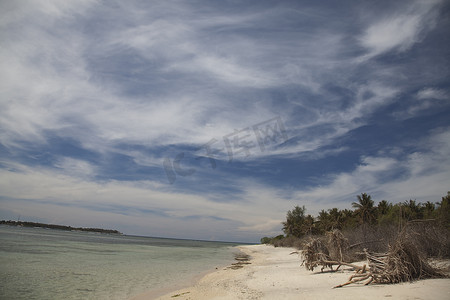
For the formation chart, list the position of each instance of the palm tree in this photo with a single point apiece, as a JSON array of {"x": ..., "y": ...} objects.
[
  {"x": 384, "y": 207},
  {"x": 335, "y": 218},
  {"x": 308, "y": 225},
  {"x": 364, "y": 208},
  {"x": 443, "y": 211},
  {"x": 324, "y": 221},
  {"x": 428, "y": 208},
  {"x": 348, "y": 218},
  {"x": 413, "y": 210}
]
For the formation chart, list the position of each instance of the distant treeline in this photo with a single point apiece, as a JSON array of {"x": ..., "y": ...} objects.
[
  {"x": 59, "y": 227},
  {"x": 365, "y": 214}
]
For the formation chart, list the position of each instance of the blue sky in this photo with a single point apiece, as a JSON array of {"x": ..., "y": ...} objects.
[{"x": 211, "y": 119}]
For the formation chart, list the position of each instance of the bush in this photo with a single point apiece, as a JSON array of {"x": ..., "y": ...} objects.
[
  {"x": 426, "y": 224},
  {"x": 271, "y": 240},
  {"x": 289, "y": 241}
]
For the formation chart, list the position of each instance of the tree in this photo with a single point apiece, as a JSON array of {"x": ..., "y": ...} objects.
[
  {"x": 348, "y": 219},
  {"x": 428, "y": 209},
  {"x": 324, "y": 221},
  {"x": 412, "y": 210},
  {"x": 295, "y": 222},
  {"x": 443, "y": 211},
  {"x": 309, "y": 225},
  {"x": 266, "y": 240},
  {"x": 364, "y": 208},
  {"x": 383, "y": 210},
  {"x": 383, "y": 207},
  {"x": 335, "y": 218}
]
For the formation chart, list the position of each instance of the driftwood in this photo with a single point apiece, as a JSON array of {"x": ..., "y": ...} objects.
[
  {"x": 337, "y": 245},
  {"x": 316, "y": 253},
  {"x": 401, "y": 263},
  {"x": 362, "y": 243}
]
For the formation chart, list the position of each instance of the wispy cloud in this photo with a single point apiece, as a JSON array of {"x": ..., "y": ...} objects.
[
  {"x": 259, "y": 211},
  {"x": 432, "y": 93},
  {"x": 400, "y": 30},
  {"x": 95, "y": 96},
  {"x": 423, "y": 174},
  {"x": 25, "y": 190}
]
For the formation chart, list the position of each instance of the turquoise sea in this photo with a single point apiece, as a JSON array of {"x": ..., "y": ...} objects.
[{"x": 37, "y": 263}]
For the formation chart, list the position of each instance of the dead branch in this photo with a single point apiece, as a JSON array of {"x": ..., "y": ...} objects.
[
  {"x": 403, "y": 262},
  {"x": 361, "y": 243}
]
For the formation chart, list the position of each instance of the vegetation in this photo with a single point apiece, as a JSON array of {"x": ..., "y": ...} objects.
[
  {"x": 373, "y": 226},
  {"x": 402, "y": 262},
  {"x": 59, "y": 227},
  {"x": 395, "y": 239}
]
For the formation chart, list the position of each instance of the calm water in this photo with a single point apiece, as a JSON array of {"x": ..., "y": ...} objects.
[{"x": 38, "y": 263}]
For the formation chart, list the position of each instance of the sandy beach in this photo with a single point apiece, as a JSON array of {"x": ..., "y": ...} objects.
[{"x": 275, "y": 273}]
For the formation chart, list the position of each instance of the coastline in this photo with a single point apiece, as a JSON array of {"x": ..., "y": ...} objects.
[
  {"x": 192, "y": 281},
  {"x": 275, "y": 273}
]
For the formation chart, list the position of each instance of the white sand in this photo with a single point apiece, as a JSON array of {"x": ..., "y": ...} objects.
[{"x": 275, "y": 274}]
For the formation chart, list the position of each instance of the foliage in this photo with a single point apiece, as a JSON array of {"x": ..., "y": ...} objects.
[
  {"x": 297, "y": 224},
  {"x": 373, "y": 226},
  {"x": 271, "y": 240},
  {"x": 364, "y": 209},
  {"x": 443, "y": 211},
  {"x": 57, "y": 227}
]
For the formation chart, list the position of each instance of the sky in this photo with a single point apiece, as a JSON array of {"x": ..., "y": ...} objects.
[{"x": 211, "y": 119}]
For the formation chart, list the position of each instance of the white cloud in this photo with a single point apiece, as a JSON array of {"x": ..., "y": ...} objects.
[
  {"x": 424, "y": 102},
  {"x": 432, "y": 93},
  {"x": 201, "y": 74},
  {"x": 260, "y": 210},
  {"x": 227, "y": 70},
  {"x": 425, "y": 175},
  {"x": 369, "y": 98},
  {"x": 43, "y": 193},
  {"x": 267, "y": 227},
  {"x": 52, "y": 86},
  {"x": 399, "y": 31},
  {"x": 76, "y": 167}
]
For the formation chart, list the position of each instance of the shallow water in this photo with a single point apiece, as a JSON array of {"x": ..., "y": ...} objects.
[{"x": 37, "y": 263}]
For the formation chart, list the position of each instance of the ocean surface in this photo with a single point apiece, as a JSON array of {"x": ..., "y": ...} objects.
[{"x": 37, "y": 263}]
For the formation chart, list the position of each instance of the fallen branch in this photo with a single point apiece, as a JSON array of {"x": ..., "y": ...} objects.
[
  {"x": 368, "y": 242},
  {"x": 401, "y": 263},
  {"x": 341, "y": 263}
]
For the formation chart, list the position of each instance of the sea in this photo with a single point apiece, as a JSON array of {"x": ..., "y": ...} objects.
[{"x": 39, "y": 263}]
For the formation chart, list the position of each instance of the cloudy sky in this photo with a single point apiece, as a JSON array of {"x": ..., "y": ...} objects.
[{"x": 210, "y": 119}]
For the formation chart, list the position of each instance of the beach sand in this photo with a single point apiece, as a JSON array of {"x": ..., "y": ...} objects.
[{"x": 275, "y": 273}]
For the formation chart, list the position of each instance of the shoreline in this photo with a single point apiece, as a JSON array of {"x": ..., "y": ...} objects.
[
  {"x": 157, "y": 293},
  {"x": 275, "y": 273}
]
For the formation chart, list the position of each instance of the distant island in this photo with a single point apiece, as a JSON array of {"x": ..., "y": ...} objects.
[{"x": 58, "y": 227}]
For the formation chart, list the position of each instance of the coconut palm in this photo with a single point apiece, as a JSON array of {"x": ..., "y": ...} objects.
[
  {"x": 428, "y": 209},
  {"x": 384, "y": 207},
  {"x": 324, "y": 221},
  {"x": 364, "y": 208},
  {"x": 336, "y": 218}
]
